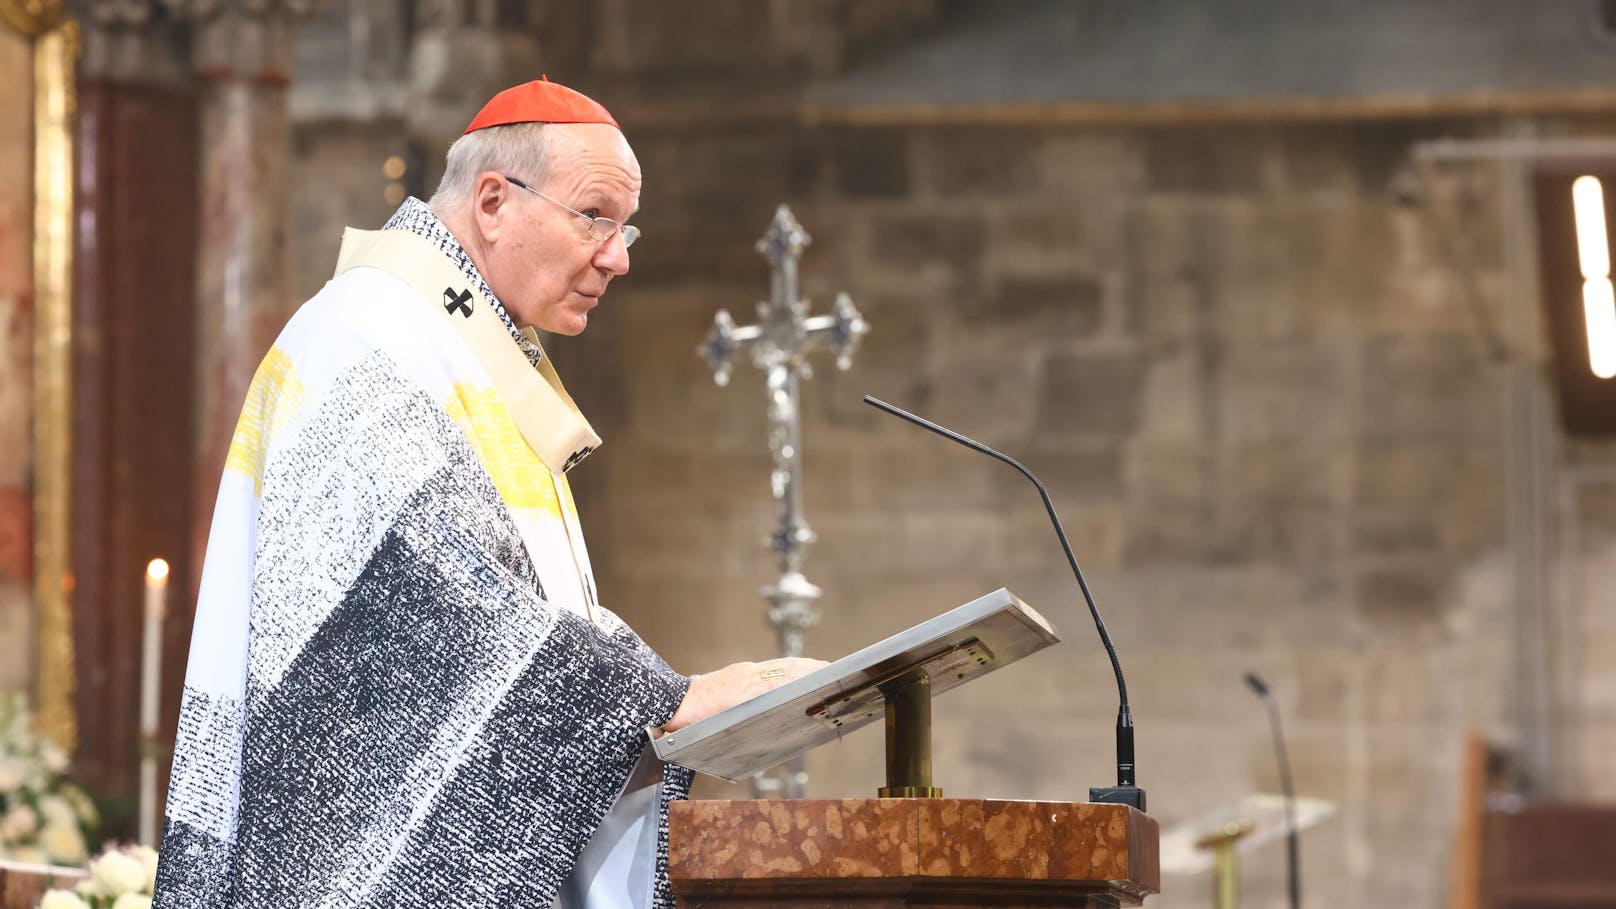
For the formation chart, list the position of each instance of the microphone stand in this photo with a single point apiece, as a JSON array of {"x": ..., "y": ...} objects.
[
  {"x": 1125, "y": 792},
  {"x": 1293, "y": 873}
]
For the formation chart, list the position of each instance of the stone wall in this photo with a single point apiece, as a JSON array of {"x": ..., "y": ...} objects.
[
  {"x": 16, "y": 359},
  {"x": 1245, "y": 361},
  {"x": 1241, "y": 366}
]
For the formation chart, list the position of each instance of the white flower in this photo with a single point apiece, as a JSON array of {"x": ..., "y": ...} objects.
[
  {"x": 62, "y": 899},
  {"x": 132, "y": 901},
  {"x": 33, "y": 776},
  {"x": 87, "y": 889},
  {"x": 64, "y": 843},
  {"x": 11, "y": 774},
  {"x": 56, "y": 810},
  {"x": 81, "y": 802},
  {"x": 18, "y": 823},
  {"x": 118, "y": 873},
  {"x": 54, "y": 758},
  {"x": 148, "y": 860},
  {"x": 29, "y": 854}
]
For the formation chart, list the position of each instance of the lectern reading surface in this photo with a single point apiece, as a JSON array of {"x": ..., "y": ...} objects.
[
  {"x": 1259, "y": 818},
  {"x": 953, "y": 648}
]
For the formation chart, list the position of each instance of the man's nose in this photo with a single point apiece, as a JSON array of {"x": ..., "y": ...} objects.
[{"x": 612, "y": 256}]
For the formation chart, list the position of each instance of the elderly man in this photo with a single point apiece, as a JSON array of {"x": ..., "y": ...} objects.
[{"x": 402, "y": 689}]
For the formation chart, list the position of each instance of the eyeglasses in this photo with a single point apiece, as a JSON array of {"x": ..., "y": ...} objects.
[{"x": 600, "y": 229}]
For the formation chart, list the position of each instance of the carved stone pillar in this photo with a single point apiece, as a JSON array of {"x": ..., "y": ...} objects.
[
  {"x": 133, "y": 352},
  {"x": 242, "y": 52},
  {"x": 463, "y": 52},
  {"x": 133, "y": 42}
]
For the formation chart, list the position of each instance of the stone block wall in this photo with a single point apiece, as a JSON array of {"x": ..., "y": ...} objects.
[
  {"x": 1237, "y": 360},
  {"x": 350, "y": 192}
]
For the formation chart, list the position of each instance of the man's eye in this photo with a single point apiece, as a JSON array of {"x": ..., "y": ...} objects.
[{"x": 590, "y": 213}]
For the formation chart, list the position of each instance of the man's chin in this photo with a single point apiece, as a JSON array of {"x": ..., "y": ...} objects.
[
  {"x": 568, "y": 322},
  {"x": 571, "y": 325}
]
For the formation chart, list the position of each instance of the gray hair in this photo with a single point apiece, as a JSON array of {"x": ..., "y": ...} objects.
[{"x": 516, "y": 150}]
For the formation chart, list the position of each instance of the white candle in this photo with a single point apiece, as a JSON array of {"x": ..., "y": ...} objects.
[{"x": 150, "y": 693}]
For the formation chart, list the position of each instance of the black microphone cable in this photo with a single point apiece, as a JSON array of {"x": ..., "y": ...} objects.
[{"x": 1126, "y": 791}]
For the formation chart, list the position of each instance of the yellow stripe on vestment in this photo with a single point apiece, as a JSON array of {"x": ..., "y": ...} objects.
[
  {"x": 520, "y": 476},
  {"x": 273, "y": 398},
  {"x": 566, "y": 497}
]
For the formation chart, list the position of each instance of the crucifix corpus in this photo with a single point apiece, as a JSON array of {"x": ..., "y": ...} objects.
[{"x": 779, "y": 345}]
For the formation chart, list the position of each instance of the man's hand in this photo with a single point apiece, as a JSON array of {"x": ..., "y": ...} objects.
[{"x": 733, "y": 684}]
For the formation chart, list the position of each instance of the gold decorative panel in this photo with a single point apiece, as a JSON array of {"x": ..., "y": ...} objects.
[{"x": 55, "y": 47}]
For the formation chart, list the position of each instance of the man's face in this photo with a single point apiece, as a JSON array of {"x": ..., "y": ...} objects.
[{"x": 542, "y": 263}]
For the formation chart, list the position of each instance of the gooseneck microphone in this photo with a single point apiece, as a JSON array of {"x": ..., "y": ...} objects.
[
  {"x": 1125, "y": 792},
  {"x": 1293, "y": 873}
]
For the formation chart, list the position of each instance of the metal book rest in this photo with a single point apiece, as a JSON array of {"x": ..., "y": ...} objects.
[{"x": 895, "y": 679}]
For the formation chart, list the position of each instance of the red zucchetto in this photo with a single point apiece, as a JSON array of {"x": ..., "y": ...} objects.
[{"x": 542, "y": 101}]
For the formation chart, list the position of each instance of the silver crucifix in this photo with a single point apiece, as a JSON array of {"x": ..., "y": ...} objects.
[{"x": 779, "y": 344}]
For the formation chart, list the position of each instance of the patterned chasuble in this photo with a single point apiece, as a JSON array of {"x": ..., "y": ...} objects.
[{"x": 396, "y": 695}]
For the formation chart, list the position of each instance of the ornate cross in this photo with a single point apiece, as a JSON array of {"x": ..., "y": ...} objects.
[{"x": 779, "y": 344}]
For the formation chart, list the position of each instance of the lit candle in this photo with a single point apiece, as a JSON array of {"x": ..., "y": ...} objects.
[{"x": 150, "y": 690}]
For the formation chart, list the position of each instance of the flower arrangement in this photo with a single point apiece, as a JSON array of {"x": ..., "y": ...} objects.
[
  {"x": 120, "y": 878},
  {"x": 43, "y": 818}
]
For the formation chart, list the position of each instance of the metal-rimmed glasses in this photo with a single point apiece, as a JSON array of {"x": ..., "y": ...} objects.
[{"x": 600, "y": 229}]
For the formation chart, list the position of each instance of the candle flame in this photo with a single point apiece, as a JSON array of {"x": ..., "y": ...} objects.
[{"x": 157, "y": 570}]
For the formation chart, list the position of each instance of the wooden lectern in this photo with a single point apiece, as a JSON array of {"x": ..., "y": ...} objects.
[
  {"x": 910, "y": 852},
  {"x": 911, "y": 847}
]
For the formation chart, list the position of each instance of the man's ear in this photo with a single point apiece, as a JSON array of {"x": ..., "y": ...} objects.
[{"x": 490, "y": 195}]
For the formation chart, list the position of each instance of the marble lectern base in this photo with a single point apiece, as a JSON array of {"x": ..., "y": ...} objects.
[{"x": 910, "y": 852}]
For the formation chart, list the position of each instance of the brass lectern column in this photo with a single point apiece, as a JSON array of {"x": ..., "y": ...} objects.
[
  {"x": 1226, "y": 867},
  {"x": 908, "y": 713}
]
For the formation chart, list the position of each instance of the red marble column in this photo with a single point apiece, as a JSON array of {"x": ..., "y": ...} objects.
[
  {"x": 243, "y": 55},
  {"x": 16, "y": 360},
  {"x": 241, "y": 263},
  {"x": 133, "y": 374}
]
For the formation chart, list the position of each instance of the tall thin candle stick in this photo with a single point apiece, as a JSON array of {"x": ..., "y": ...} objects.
[{"x": 150, "y": 693}]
